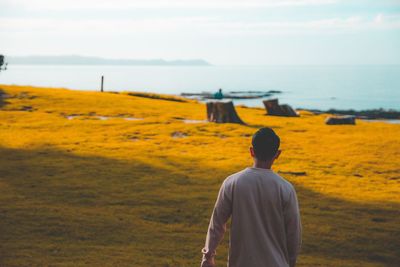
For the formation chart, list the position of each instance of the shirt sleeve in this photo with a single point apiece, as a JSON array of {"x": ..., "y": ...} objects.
[
  {"x": 217, "y": 227},
  {"x": 292, "y": 227}
]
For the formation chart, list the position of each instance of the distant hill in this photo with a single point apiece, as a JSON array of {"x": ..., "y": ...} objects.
[{"x": 82, "y": 60}]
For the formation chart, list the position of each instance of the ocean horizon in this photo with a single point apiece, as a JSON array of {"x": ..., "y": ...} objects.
[{"x": 357, "y": 87}]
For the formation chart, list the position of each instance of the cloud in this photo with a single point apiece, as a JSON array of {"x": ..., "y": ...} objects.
[
  {"x": 378, "y": 19},
  {"x": 196, "y": 25},
  {"x": 123, "y": 4},
  {"x": 100, "y": 25},
  {"x": 386, "y": 21}
]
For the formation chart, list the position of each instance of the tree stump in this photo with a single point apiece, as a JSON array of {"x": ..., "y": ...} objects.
[
  {"x": 341, "y": 120},
  {"x": 273, "y": 108},
  {"x": 222, "y": 112}
]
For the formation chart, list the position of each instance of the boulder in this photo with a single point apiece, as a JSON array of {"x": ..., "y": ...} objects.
[
  {"x": 273, "y": 108},
  {"x": 222, "y": 112},
  {"x": 336, "y": 120}
]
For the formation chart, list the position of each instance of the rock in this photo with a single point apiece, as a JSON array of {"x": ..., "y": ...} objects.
[
  {"x": 222, "y": 112},
  {"x": 335, "y": 120},
  {"x": 273, "y": 108},
  {"x": 27, "y": 108},
  {"x": 178, "y": 134}
]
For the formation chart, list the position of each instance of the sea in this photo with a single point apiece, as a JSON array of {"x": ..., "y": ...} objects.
[{"x": 311, "y": 87}]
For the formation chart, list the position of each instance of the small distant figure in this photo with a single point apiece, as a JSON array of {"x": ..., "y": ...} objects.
[
  {"x": 219, "y": 95},
  {"x": 264, "y": 212}
]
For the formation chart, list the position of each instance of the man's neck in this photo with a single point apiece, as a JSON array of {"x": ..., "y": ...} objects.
[{"x": 262, "y": 164}]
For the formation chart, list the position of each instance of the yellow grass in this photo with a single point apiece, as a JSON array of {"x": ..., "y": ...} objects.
[{"x": 118, "y": 192}]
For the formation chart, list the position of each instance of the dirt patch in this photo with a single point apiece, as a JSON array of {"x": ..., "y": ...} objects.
[
  {"x": 158, "y": 96},
  {"x": 99, "y": 117},
  {"x": 194, "y": 121},
  {"x": 178, "y": 134}
]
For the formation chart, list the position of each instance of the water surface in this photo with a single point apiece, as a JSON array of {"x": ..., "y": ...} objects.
[{"x": 319, "y": 87}]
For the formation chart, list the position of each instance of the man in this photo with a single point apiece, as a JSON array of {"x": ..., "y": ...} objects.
[
  {"x": 265, "y": 225},
  {"x": 219, "y": 95}
]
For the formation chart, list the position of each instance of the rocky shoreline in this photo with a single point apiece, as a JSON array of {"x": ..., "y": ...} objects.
[
  {"x": 369, "y": 114},
  {"x": 233, "y": 94}
]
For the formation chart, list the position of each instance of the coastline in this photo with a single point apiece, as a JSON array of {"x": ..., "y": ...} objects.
[
  {"x": 376, "y": 114},
  {"x": 319, "y": 87},
  {"x": 368, "y": 114}
]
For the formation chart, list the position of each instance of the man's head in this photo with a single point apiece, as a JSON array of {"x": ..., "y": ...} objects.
[{"x": 265, "y": 145}]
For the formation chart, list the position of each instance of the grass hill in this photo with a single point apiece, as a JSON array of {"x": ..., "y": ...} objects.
[{"x": 106, "y": 179}]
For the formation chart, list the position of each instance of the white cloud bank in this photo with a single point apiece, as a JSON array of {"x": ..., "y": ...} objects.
[
  {"x": 197, "y": 25},
  {"x": 123, "y": 4}
]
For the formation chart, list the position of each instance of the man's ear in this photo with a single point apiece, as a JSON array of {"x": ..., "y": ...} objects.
[
  {"x": 252, "y": 152},
  {"x": 278, "y": 153}
]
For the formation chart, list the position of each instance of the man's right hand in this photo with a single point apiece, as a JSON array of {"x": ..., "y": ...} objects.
[{"x": 208, "y": 262}]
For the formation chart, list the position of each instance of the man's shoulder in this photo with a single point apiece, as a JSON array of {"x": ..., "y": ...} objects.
[
  {"x": 234, "y": 177},
  {"x": 284, "y": 185},
  {"x": 284, "y": 182},
  {"x": 228, "y": 184}
]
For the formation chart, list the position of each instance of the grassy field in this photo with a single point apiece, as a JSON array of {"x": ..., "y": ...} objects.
[{"x": 105, "y": 179}]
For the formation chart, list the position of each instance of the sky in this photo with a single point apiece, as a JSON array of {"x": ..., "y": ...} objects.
[{"x": 223, "y": 32}]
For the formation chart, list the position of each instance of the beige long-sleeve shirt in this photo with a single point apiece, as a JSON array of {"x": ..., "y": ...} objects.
[{"x": 265, "y": 225}]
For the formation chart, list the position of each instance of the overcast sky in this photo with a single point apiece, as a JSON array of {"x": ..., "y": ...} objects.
[{"x": 223, "y": 32}]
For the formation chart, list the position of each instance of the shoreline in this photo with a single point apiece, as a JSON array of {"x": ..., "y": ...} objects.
[
  {"x": 368, "y": 114},
  {"x": 374, "y": 114}
]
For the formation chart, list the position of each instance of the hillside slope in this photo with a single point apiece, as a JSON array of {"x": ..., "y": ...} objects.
[{"x": 105, "y": 179}]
